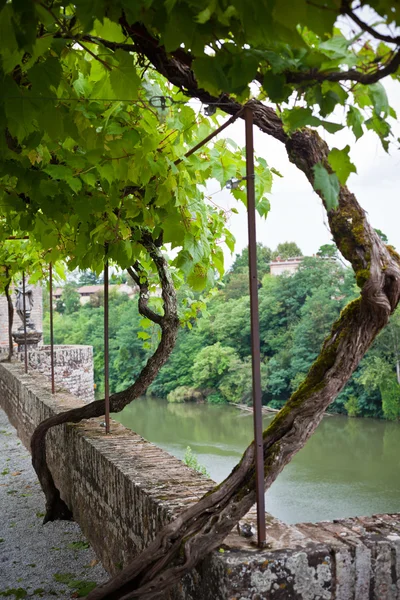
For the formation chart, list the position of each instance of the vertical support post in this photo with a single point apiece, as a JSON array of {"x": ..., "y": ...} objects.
[
  {"x": 106, "y": 351},
  {"x": 10, "y": 311},
  {"x": 255, "y": 329},
  {"x": 53, "y": 388},
  {"x": 25, "y": 336}
]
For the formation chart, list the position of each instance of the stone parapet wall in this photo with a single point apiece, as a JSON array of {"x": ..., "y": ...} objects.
[
  {"x": 73, "y": 368},
  {"x": 122, "y": 489}
]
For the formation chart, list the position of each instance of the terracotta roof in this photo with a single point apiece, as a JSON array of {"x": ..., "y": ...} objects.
[{"x": 90, "y": 289}]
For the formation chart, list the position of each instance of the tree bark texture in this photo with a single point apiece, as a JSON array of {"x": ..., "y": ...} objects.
[
  {"x": 201, "y": 528},
  {"x": 169, "y": 323}
]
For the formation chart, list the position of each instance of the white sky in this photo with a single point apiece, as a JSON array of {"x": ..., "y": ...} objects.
[{"x": 296, "y": 210}]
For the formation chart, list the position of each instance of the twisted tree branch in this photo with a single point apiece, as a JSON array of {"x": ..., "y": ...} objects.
[
  {"x": 346, "y": 10},
  {"x": 138, "y": 275},
  {"x": 169, "y": 323}
]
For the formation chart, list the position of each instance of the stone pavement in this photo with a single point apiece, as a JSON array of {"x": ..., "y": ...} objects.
[{"x": 52, "y": 561}]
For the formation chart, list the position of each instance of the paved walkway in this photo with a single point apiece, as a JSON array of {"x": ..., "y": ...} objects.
[{"x": 52, "y": 561}]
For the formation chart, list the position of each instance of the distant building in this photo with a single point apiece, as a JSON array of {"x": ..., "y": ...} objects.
[
  {"x": 285, "y": 265},
  {"x": 85, "y": 291}
]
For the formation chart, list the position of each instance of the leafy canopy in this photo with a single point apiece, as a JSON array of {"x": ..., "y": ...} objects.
[
  {"x": 88, "y": 162},
  {"x": 88, "y": 159}
]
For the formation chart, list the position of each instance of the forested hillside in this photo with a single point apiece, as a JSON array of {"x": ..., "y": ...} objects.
[{"x": 211, "y": 360}]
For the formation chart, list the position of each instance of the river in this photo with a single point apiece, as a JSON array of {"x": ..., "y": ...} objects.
[{"x": 349, "y": 466}]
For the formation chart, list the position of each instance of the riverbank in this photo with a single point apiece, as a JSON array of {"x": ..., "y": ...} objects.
[{"x": 38, "y": 561}]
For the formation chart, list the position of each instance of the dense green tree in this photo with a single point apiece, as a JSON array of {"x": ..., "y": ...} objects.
[
  {"x": 70, "y": 300},
  {"x": 287, "y": 250},
  {"x": 241, "y": 262},
  {"x": 87, "y": 277},
  {"x": 327, "y": 251}
]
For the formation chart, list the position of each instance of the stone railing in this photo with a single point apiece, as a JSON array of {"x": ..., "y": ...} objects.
[{"x": 122, "y": 489}]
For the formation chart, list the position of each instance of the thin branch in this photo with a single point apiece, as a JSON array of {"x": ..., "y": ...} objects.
[
  {"x": 67, "y": 34},
  {"x": 367, "y": 28}
]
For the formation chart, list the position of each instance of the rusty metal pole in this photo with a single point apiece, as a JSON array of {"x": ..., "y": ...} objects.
[
  {"x": 255, "y": 328},
  {"x": 53, "y": 387},
  {"x": 106, "y": 351},
  {"x": 25, "y": 336}
]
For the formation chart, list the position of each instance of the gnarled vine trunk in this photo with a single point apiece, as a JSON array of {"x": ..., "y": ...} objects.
[
  {"x": 169, "y": 323},
  {"x": 201, "y": 528}
]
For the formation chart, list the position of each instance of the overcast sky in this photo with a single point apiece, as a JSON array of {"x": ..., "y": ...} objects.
[{"x": 296, "y": 210}]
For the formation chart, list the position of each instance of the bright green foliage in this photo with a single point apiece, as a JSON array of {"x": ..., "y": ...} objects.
[
  {"x": 341, "y": 164},
  {"x": 192, "y": 461},
  {"x": 328, "y": 184},
  {"x": 352, "y": 407},
  {"x": 390, "y": 392},
  {"x": 88, "y": 164},
  {"x": 211, "y": 363},
  {"x": 87, "y": 160},
  {"x": 241, "y": 262}
]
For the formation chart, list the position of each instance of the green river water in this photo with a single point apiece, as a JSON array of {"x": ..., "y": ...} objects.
[{"x": 349, "y": 466}]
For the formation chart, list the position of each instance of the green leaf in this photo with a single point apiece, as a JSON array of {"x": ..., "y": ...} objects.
[
  {"x": 298, "y": 117},
  {"x": 109, "y": 30},
  {"x": 263, "y": 207},
  {"x": 123, "y": 78},
  {"x": 275, "y": 86},
  {"x": 355, "y": 120},
  {"x": 218, "y": 260},
  {"x": 336, "y": 47},
  {"x": 205, "y": 15},
  {"x": 341, "y": 163},
  {"x": 331, "y": 127},
  {"x": 45, "y": 75},
  {"x": 229, "y": 240},
  {"x": 210, "y": 74},
  {"x": 242, "y": 71},
  {"x": 328, "y": 184},
  {"x": 379, "y": 99},
  {"x": 143, "y": 335},
  {"x": 381, "y": 127}
]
